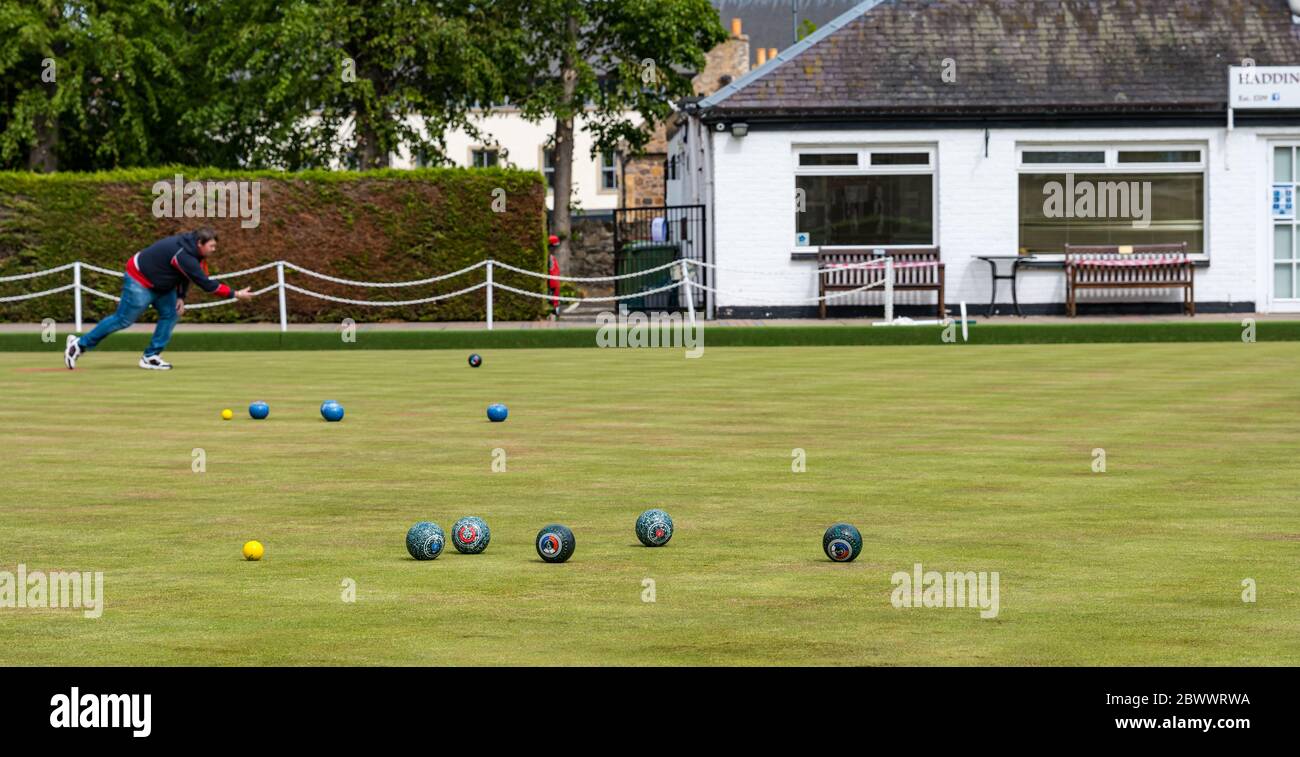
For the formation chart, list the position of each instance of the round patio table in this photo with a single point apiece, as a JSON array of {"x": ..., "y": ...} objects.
[{"x": 994, "y": 272}]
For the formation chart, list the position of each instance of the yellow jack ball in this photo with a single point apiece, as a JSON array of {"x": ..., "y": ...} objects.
[
  {"x": 227, "y": 414},
  {"x": 253, "y": 550}
]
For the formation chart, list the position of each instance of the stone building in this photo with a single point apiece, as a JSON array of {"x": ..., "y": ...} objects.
[{"x": 644, "y": 175}]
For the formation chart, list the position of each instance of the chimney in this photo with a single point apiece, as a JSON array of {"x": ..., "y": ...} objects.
[
  {"x": 771, "y": 53},
  {"x": 762, "y": 57},
  {"x": 735, "y": 27}
]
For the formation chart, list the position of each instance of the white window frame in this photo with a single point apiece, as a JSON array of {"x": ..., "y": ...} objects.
[
  {"x": 484, "y": 149},
  {"x": 1111, "y": 164},
  {"x": 1271, "y": 302},
  {"x": 547, "y": 173},
  {"x": 601, "y": 170},
  {"x": 864, "y": 168}
]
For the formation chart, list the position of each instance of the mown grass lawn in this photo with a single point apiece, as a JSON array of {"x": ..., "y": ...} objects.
[{"x": 961, "y": 458}]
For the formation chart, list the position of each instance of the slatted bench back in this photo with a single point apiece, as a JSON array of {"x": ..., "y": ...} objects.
[
  {"x": 914, "y": 268},
  {"x": 1149, "y": 265}
]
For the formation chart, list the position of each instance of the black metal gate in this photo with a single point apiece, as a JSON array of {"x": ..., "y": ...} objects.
[{"x": 648, "y": 237}]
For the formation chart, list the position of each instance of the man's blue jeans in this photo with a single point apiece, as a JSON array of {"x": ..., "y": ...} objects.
[{"x": 135, "y": 300}]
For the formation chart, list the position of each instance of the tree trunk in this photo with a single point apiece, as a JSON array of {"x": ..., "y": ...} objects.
[
  {"x": 561, "y": 219},
  {"x": 42, "y": 158},
  {"x": 561, "y": 222},
  {"x": 370, "y": 153}
]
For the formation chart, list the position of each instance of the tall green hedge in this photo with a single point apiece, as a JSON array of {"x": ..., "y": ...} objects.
[{"x": 380, "y": 226}]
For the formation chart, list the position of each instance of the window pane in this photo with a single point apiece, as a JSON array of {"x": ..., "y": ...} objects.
[
  {"x": 1160, "y": 156},
  {"x": 1059, "y": 156},
  {"x": 1281, "y": 164},
  {"x": 1283, "y": 244},
  {"x": 608, "y": 172},
  {"x": 1111, "y": 208},
  {"x": 866, "y": 210},
  {"x": 900, "y": 159},
  {"x": 1283, "y": 281},
  {"x": 829, "y": 159}
]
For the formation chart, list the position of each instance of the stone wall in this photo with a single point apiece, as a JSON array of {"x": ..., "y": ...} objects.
[
  {"x": 643, "y": 174},
  {"x": 723, "y": 64},
  {"x": 592, "y": 252},
  {"x": 643, "y": 180}
]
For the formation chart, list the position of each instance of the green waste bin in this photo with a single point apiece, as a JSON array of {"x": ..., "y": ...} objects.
[{"x": 643, "y": 256}]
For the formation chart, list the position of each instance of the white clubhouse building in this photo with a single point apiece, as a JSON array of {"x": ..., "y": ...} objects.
[{"x": 957, "y": 125}]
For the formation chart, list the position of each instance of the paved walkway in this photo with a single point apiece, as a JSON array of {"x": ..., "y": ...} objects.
[{"x": 587, "y": 323}]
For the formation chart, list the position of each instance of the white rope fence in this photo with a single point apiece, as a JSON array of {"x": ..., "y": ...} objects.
[{"x": 680, "y": 272}]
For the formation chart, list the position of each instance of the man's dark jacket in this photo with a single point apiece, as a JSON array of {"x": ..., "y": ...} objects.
[{"x": 173, "y": 263}]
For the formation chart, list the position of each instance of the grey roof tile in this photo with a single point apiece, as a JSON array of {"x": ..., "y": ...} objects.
[{"x": 1017, "y": 56}]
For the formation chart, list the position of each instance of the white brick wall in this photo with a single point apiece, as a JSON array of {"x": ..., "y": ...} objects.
[{"x": 754, "y": 219}]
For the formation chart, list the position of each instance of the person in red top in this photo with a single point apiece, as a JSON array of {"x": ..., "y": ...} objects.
[
  {"x": 160, "y": 276},
  {"x": 554, "y": 270}
]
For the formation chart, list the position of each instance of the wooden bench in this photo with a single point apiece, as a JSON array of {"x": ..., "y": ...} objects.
[
  {"x": 847, "y": 268},
  {"x": 1142, "y": 266}
]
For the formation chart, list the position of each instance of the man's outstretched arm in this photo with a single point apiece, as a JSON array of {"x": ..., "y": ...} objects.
[{"x": 194, "y": 272}]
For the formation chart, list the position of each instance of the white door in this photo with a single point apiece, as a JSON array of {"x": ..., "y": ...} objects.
[{"x": 1285, "y": 263}]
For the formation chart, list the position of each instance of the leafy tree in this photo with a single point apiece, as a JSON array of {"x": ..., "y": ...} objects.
[
  {"x": 619, "y": 63},
  {"x": 85, "y": 85},
  {"x": 91, "y": 84},
  {"x": 299, "y": 83}
]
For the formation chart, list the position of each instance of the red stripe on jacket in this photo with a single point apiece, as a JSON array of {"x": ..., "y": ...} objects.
[{"x": 133, "y": 271}]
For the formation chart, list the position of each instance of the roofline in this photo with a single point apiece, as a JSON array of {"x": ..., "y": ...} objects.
[
  {"x": 790, "y": 53},
  {"x": 1044, "y": 111},
  {"x": 1012, "y": 120}
]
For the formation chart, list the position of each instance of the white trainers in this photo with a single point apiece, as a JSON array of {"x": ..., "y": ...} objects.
[
  {"x": 72, "y": 351},
  {"x": 154, "y": 363}
]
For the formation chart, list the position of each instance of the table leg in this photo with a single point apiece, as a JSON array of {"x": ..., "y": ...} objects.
[
  {"x": 993, "y": 281},
  {"x": 1015, "y": 270}
]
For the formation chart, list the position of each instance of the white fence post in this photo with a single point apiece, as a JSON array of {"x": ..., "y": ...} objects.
[
  {"x": 76, "y": 293},
  {"x": 889, "y": 289},
  {"x": 284, "y": 311},
  {"x": 489, "y": 294},
  {"x": 686, "y": 290}
]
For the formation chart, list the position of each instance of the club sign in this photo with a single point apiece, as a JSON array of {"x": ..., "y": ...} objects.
[{"x": 1264, "y": 87}]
